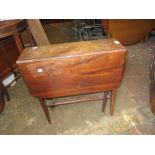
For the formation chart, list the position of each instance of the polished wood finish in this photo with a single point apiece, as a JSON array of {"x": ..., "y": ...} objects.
[
  {"x": 8, "y": 53},
  {"x": 11, "y": 43},
  {"x": 38, "y": 32},
  {"x": 10, "y": 27},
  {"x": 112, "y": 101},
  {"x": 11, "y": 46},
  {"x": 128, "y": 31},
  {"x": 73, "y": 68}
]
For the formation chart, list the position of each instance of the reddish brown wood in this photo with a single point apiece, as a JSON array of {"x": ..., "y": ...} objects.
[
  {"x": 152, "y": 96},
  {"x": 11, "y": 43},
  {"x": 1, "y": 101},
  {"x": 152, "y": 87},
  {"x": 112, "y": 101},
  {"x": 30, "y": 41},
  {"x": 73, "y": 68},
  {"x": 104, "y": 102},
  {"x": 1, "y": 104},
  {"x": 9, "y": 27},
  {"x": 48, "y": 103},
  {"x": 4, "y": 90},
  {"x": 18, "y": 41},
  {"x": 7, "y": 61},
  {"x": 11, "y": 46},
  {"x": 53, "y": 104},
  {"x": 9, "y": 49},
  {"x": 12, "y": 28},
  {"x": 42, "y": 102}
]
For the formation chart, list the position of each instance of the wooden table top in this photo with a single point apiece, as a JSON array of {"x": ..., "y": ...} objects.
[{"x": 66, "y": 50}]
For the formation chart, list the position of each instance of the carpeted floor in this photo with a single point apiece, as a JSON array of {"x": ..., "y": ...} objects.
[{"x": 23, "y": 114}]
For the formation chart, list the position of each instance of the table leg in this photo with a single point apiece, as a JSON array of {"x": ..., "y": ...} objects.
[
  {"x": 1, "y": 101},
  {"x": 18, "y": 42},
  {"x": 45, "y": 108},
  {"x": 4, "y": 91},
  {"x": 104, "y": 102},
  {"x": 112, "y": 101}
]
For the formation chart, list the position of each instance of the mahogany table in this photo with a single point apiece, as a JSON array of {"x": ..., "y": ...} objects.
[{"x": 71, "y": 69}]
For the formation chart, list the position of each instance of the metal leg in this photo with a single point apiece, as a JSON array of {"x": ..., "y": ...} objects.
[
  {"x": 112, "y": 101},
  {"x": 45, "y": 108}
]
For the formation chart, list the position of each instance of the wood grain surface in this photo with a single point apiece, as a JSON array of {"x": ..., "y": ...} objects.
[{"x": 72, "y": 68}]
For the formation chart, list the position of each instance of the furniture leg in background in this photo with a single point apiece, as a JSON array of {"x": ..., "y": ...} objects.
[
  {"x": 11, "y": 46},
  {"x": 3, "y": 92},
  {"x": 1, "y": 101}
]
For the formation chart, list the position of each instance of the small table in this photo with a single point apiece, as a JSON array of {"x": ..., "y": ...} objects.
[{"x": 71, "y": 69}]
